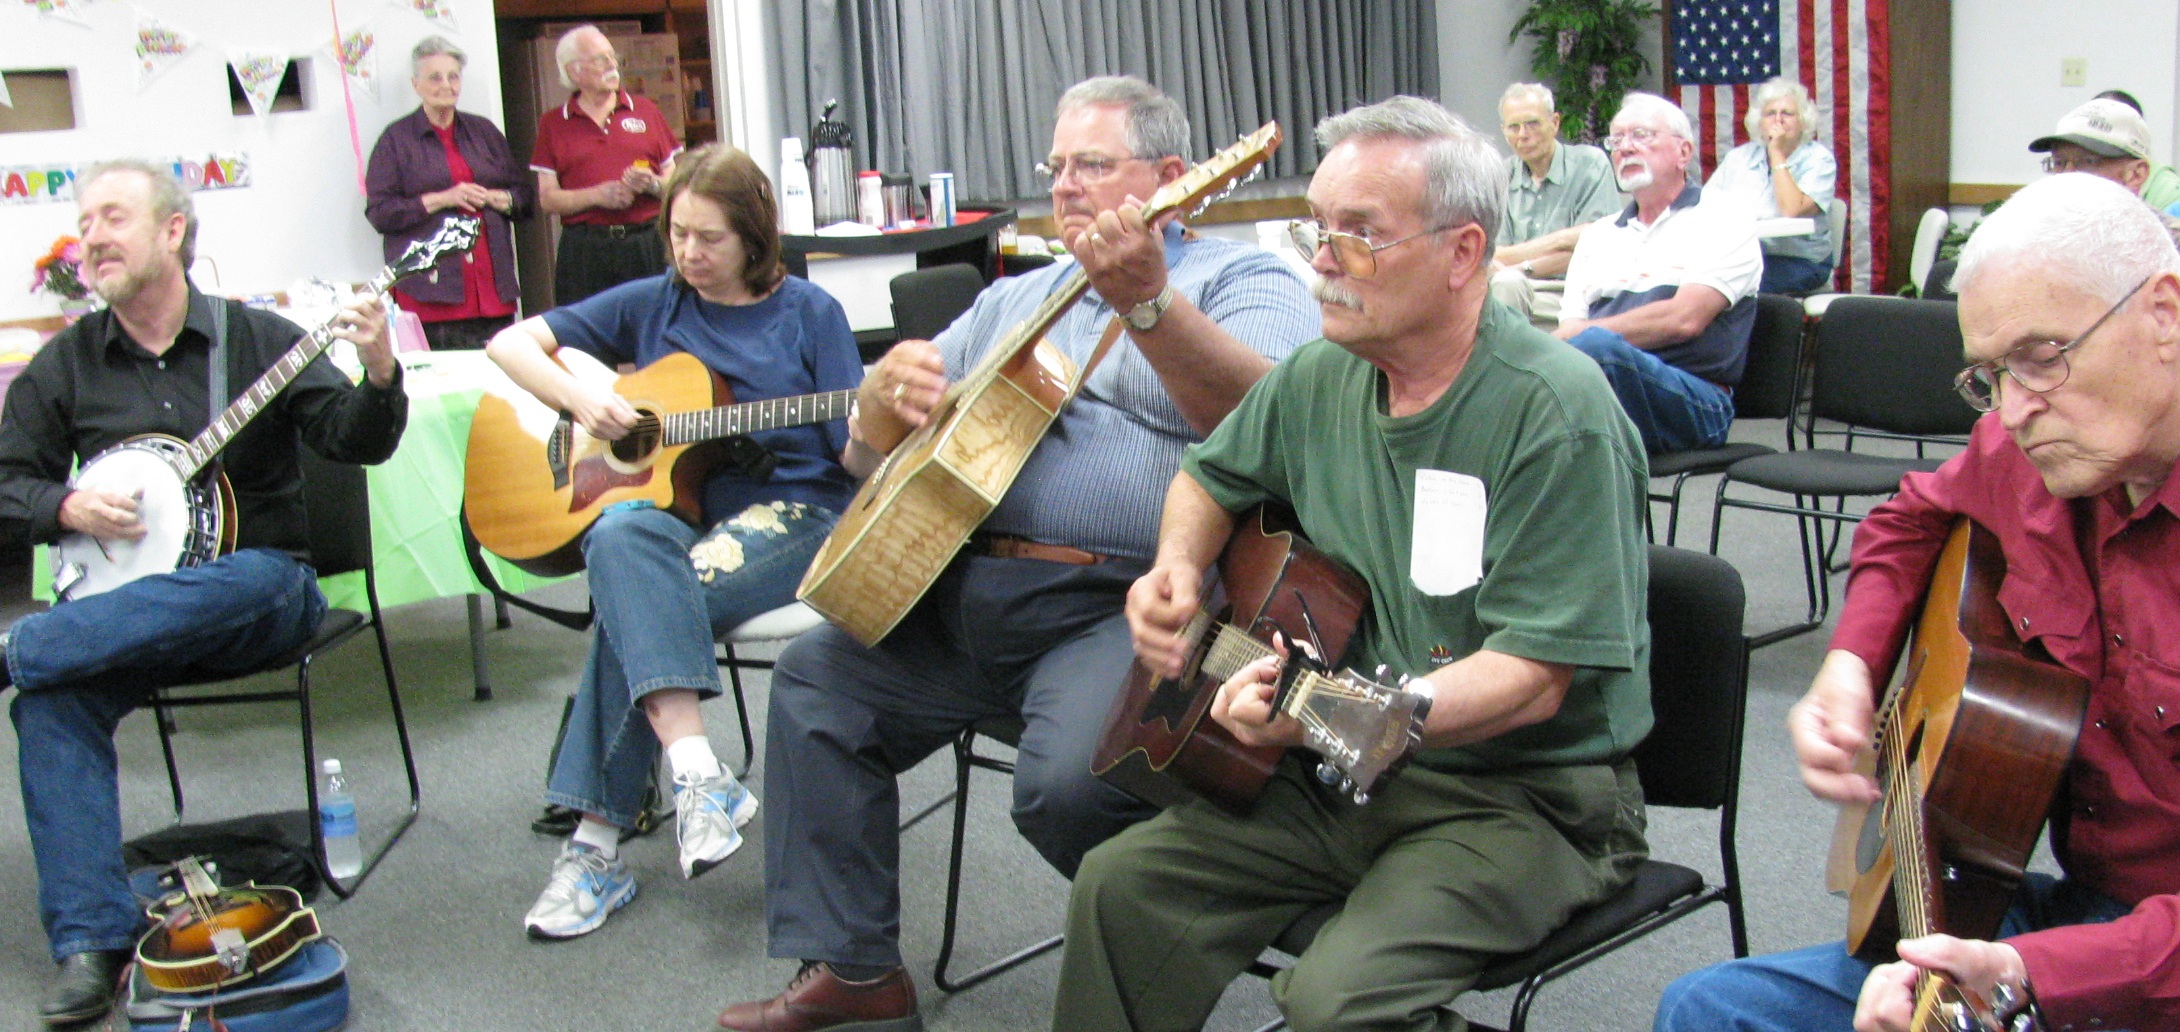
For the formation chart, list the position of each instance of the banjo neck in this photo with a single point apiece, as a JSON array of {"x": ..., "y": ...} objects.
[{"x": 200, "y": 451}]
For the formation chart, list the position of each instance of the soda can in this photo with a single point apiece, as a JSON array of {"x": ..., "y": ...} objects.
[{"x": 942, "y": 198}]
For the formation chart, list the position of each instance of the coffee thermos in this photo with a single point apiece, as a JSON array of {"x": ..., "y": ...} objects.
[{"x": 832, "y": 169}]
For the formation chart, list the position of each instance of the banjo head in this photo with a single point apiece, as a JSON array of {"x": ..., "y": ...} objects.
[{"x": 165, "y": 503}]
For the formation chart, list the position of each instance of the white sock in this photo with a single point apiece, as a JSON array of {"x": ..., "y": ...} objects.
[
  {"x": 692, "y": 756},
  {"x": 598, "y": 835}
]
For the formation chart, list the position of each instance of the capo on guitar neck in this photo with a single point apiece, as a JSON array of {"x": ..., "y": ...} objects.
[{"x": 1302, "y": 655}]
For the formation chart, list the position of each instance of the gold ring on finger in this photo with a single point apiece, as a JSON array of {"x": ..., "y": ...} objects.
[{"x": 898, "y": 390}]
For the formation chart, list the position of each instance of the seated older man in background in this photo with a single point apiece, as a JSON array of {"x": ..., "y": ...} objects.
[
  {"x": 1663, "y": 296},
  {"x": 2162, "y": 189},
  {"x": 2070, "y": 313},
  {"x": 2102, "y": 137},
  {"x": 1553, "y": 190}
]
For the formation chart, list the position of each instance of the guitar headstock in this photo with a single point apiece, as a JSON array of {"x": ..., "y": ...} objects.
[
  {"x": 1365, "y": 731},
  {"x": 456, "y": 234},
  {"x": 1229, "y": 168}
]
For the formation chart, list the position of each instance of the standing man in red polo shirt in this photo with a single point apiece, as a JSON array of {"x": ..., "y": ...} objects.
[{"x": 601, "y": 159}]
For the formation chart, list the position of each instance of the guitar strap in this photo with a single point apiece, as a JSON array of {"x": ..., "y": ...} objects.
[
  {"x": 216, "y": 360},
  {"x": 1105, "y": 344}
]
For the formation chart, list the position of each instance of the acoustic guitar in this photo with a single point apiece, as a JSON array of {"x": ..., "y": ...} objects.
[
  {"x": 1969, "y": 751},
  {"x": 1160, "y": 742},
  {"x": 536, "y": 480},
  {"x": 920, "y": 506},
  {"x": 208, "y": 938}
]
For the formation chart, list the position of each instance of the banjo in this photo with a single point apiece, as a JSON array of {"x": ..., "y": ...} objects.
[{"x": 184, "y": 501}]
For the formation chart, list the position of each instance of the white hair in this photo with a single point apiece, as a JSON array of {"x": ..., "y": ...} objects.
[
  {"x": 1535, "y": 91},
  {"x": 433, "y": 46},
  {"x": 1773, "y": 90},
  {"x": 2090, "y": 232},
  {"x": 564, "y": 52},
  {"x": 1650, "y": 107},
  {"x": 1464, "y": 179},
  {"x": 1157, "y": 128}
]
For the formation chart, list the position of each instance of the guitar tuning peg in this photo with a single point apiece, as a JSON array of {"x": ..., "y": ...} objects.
[
  {"x": 1380, "y": 674},
  {"x": 1327, "y": 774},
  {"x": 1362, "y": 798}
]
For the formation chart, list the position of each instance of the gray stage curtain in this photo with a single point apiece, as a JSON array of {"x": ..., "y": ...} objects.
[{"x": 967, "y": 86}]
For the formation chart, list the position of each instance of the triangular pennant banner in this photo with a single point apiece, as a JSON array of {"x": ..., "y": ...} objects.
[
  {"x": 439, "y": 11},
  {"x": 159, "y": 46},
  {"x": 65, "y": 10},
  {"x": 357, "y": 54},
  {"x": 260, "y": 75}
]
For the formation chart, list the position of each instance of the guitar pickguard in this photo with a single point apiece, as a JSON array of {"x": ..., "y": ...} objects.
[{"x": 595, "y": 475}]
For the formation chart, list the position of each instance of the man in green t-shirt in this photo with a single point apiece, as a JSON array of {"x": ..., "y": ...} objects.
[{"x": 1482, "y": 479}]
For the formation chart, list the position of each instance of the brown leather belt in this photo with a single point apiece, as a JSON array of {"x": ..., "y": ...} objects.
[{"x": 1008, "y": 547}]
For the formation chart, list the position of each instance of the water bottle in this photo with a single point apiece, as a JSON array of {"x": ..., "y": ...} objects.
[
  {"x": 337, "y": 823},
  {"x": 797, "y": 216}
]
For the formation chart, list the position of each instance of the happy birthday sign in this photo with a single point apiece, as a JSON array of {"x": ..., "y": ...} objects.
[{"x": 48, "y": 184}]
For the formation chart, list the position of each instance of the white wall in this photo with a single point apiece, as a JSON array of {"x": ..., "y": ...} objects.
[
  {"x": 303, "y": 215},
  {"x": 2006, "y": 88}
]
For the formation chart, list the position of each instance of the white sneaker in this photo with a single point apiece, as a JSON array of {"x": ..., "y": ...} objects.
[
  {"x": 708, "y": 816},
  {"x": 585, "y": 889}
]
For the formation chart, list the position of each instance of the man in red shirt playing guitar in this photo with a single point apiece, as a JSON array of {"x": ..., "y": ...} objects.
[{"x": 2070, "y": 309}]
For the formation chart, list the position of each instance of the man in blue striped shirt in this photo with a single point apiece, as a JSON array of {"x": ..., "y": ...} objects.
[{"x": 1027, "y": 623}]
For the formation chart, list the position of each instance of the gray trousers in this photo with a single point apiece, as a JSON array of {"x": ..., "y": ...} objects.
[
  {"x": 1438, "y": 875},
  {"x": 993, "y": 638}
]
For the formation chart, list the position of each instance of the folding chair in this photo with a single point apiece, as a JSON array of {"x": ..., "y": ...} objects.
[
  {"x": 1699, "y": 693},
  {"x": 1769, "y": 383},
  {"x": 1884, "y": 369},
  {"x": 1007, "y": 732},
  {"x": 927, "y": 301},
  {"x": 337, "y": 498}
]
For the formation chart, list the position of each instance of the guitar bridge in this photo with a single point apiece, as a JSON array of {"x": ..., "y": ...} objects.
[{"x": 559, "y": 446}]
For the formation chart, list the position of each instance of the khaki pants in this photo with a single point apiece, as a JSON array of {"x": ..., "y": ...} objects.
[
  {"x": 1538, "y": 299},
  {"x": 1440, "y": 874}
]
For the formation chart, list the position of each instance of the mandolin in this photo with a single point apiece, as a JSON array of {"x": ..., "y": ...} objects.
[
  {"x": 1160, "y": 742},
  {"x": 208, "y": 938},
  {"x": 1969, "y": 752},
  {"x": 934, "y": 489}
]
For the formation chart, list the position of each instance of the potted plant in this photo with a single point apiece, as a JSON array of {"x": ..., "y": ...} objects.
[
  {"x": 60, "y": 273},
  {"x": 1589, "y": 53}
]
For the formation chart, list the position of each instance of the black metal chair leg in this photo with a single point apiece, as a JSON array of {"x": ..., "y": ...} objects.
[
  {"x": 741, "y": 710},
  {"x": 483, "y": 685},
  {"x": 965, "y": 760},
  {"x": 165, "y": 719}
]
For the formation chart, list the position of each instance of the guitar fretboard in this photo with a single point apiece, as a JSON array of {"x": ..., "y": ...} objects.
[{"x": 733, "y": 420}]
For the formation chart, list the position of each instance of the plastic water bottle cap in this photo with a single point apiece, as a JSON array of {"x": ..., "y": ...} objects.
[{"x": 332, "y": 766}]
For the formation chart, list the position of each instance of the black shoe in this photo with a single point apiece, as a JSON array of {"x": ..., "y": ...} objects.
[{"x": 84, "y": 988}]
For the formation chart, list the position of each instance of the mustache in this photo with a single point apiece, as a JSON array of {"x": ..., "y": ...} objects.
[{"x": 1330, "y": 293}]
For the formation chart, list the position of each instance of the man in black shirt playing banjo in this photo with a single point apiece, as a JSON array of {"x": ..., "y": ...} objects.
[{"x": 145, "y": 366}]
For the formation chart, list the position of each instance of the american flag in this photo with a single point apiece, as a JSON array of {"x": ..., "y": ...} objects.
[{"x": 1839, "y": 49}]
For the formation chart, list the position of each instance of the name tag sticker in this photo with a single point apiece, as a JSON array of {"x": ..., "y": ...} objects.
[{"x": 1446, "y": 553}]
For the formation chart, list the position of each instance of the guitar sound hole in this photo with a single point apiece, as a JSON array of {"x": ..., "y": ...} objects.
[{"x": 640, "y": 442}]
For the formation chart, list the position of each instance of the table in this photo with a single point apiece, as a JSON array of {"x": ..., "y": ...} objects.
[{"x": 858, "y": 270}]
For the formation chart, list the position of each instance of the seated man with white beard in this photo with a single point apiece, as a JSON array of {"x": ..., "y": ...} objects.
[{"x": 1663, "y": 295}]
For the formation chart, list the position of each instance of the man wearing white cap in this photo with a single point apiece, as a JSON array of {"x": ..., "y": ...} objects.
[{"x": 2102, "y": 137}]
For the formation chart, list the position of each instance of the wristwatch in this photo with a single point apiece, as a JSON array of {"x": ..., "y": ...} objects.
[{"x": 1146, "y": 315}]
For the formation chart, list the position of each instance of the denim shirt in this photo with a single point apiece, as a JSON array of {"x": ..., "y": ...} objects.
[{"x": 409, "y": 162}]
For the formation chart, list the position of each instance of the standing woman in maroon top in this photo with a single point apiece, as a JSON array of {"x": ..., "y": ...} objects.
[{"x": 436, "y": 163}]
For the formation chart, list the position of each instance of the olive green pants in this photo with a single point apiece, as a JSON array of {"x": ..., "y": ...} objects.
[{"x": 1440, "y": 873}]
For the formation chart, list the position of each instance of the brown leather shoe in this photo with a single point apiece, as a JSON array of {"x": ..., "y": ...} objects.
[{"x": 818, "y": 999}]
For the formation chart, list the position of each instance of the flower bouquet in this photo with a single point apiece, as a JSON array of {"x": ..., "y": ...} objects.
[{"x": 60, "y": 273}]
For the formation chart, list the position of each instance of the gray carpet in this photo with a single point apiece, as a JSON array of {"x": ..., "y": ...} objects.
[{"x": 436, "y": 934}]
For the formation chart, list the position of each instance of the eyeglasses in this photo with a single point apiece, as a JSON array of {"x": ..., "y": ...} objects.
[
  {"x": 2039, "y": 365},
  {"x": 1357, "y": 256},
  {"x": 2055, "y": 164},
  {"x": 601, "y": 60},
  {"x": 1533, "y": 125},
  {"x": 1089, "y": 169},
  {"x": 1637, "y": 136}
]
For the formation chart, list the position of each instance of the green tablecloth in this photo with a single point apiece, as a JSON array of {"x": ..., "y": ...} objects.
[{"x": 416, "y": 496}]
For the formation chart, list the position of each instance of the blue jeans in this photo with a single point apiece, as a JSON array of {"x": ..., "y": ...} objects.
[
  {"x": 82, "y": 666},
  {"x": 662, "y": 591},
  {"x": 1674, "y": 410},
  {"x": 1816, "y": 988},
  {"x": 1784, "y": 274}
]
